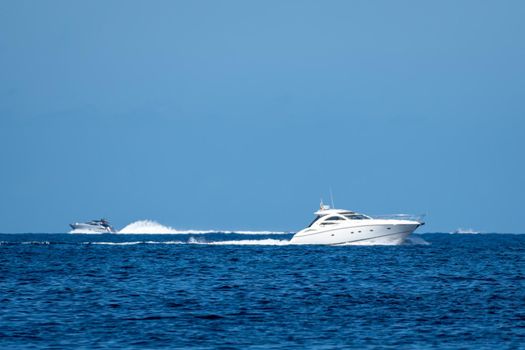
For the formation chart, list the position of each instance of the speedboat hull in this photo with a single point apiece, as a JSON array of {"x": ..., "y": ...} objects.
[
  {"x": 374, "y": 232},
  {"x": 88, "y": 228}
]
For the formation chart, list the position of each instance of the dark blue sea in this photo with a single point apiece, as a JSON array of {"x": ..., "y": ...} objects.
[{"x": 210, "y": 291}]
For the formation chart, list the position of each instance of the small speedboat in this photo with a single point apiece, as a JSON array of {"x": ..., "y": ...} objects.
[
  {"x": 468, "y": 231},
  {"x": 93, "y": 226},
  {"x": 345, "y": 227}
]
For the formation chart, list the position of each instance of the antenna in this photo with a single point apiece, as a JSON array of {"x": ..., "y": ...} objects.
[{"x": 332, "y": 198}]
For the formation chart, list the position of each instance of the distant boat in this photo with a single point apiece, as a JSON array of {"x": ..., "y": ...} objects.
[
  {"x": 93, "y": 226},
  {"x": 342, "y": 227},
  {"x": 468, "y": 231}
]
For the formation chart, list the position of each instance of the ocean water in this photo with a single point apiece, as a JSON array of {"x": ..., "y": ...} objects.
[{"x": 217, "y": 290}]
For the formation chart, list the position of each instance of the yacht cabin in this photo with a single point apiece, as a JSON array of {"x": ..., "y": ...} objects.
[{"x": 327, "y": 217}]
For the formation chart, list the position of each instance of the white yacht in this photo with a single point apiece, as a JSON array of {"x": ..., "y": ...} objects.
[
  {"x": 93, "y": 226},
  {"x": 345, "y": 227}
]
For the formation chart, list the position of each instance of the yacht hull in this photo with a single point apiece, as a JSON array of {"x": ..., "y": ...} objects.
[{"x": 387, "y": 233}]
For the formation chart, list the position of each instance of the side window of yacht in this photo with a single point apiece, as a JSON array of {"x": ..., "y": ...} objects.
[
  {"x": 357, "y": 217},
  {"x": 332, "y": 220}
]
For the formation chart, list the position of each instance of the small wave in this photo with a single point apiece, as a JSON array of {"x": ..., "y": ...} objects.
[
  {"x": 26, "y": 243},
  {"x": 134, "y": 243}
]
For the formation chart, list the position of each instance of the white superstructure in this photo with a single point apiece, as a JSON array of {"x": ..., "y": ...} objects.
[{"x": 341, "y": 227}]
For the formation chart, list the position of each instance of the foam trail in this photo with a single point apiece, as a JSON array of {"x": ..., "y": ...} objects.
[
  {"x": 153, "y": 227},
  {"x": 147, "y": 226},
  {"x": 192, "y": 240},
  {"x": 267, "y": 242},
  {"x": 415, "y": 240},
  {"x": 113, "y": 243},
  {"x": 255, "y": 232},
  {"x": 279, "y": 242}
]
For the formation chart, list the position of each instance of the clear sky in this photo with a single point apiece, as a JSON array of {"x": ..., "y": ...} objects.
[{"x": 242, "y": 114}]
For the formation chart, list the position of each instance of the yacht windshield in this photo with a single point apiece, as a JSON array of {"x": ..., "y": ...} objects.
[
  {"x": 315, "y": 220},
  {"x": 329, "y": 220}
]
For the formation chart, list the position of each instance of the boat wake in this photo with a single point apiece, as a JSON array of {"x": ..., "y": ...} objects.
[
  {"x": 147, "y": 226},
  {"x": 415, "y": 240},
  {"x": 267, "y": 241},
  {"x": 152, "y": 227},
  {"x": 134, "y": 243},
  {"x": 263, "y": 242},
  {"x": 143, "y": 227}
]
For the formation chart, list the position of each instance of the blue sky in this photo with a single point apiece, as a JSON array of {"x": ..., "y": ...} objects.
[{"x": 242, "y": 114}]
